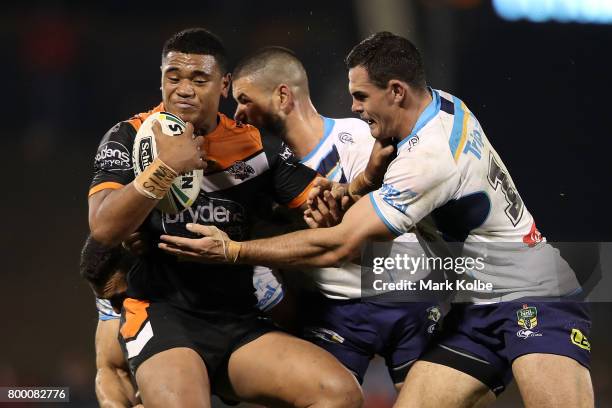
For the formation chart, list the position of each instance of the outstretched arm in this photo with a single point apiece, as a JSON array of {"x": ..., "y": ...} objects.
[{"x": 307, "y": 248}]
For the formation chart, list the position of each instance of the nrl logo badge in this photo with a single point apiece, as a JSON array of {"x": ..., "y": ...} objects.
[
  {"x": 527, "y": 318},
  {"x": 241, "y": 170}
]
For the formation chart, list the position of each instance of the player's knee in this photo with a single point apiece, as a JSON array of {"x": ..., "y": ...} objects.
[{"x": 339, "y": 391}]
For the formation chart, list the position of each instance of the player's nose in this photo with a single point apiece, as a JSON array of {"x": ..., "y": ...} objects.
[
  {"x": 184, "y": 89},
  {"x": 240, "y": 115},
  {"x": 357, "y": 107}
]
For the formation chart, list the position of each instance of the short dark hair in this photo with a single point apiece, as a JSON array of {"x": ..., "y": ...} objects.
[
  {"x": 260, "y": 58},
  {"x": 197, "y": 41},
  {"x": 100, "y": 262},
  {"x": 387, "y": 56}
]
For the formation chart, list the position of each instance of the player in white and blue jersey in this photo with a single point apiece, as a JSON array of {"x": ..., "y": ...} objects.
[
  {"x": 271, "y": 89},
  {"x": 448, "y": 182}
]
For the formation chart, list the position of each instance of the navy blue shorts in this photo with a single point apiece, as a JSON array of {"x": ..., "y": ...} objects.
[
  {"x": 484, "y": 340},
  {"x": 355, "y": 330}
]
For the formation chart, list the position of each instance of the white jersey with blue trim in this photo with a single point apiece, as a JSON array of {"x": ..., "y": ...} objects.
[
  {"x": 343, "y": 151},
  {"x": 105, "y": 310},
  {"x": 341, "y": 155},
  {"x": 448, "y": 179}
]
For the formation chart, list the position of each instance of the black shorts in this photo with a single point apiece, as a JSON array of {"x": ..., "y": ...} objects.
[{"x": 148, "y": 328}]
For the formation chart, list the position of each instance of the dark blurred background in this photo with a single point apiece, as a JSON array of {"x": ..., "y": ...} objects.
[{"x": 71, "y": 70}]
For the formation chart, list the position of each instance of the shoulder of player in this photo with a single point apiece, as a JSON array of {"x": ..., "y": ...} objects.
[
  {"x": 237, "y": 141},
  {"x": 350, "y": 132},
  {"x": 136, "y": 120},
  {"x": 127, "y": 129},
  {"x": 269, "y": 142},
  {"x": 231, "y": 127}
]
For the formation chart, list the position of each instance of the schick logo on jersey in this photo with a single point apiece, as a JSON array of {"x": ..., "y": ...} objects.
[
  {"x": 145, "y": 148},
  {"x": 113, "y": 156},
  {"x": 225, "y": 214},
  {"x": 580, "y": 340},
  {"x": 241, "y": 170},
  {"x": 527, "y": 319}
]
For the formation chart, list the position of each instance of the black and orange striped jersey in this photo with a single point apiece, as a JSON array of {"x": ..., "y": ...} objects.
[{"x": 244, "y": 169}]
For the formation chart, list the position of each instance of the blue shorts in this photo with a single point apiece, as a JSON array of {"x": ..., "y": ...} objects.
[
  {"x": 484, "y": 340},
  {"x": 355, "y": 330}
]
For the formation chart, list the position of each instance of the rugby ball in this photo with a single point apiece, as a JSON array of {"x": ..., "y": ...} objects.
[{"x": 186, "y": 187}]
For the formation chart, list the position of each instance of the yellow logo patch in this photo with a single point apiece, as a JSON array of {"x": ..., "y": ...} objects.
[{"x": 580, "y": 339}]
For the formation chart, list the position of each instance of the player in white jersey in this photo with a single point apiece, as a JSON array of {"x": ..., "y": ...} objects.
[
  {"x": 271, "y": 89},
  {"x": 438, "y": 185}
]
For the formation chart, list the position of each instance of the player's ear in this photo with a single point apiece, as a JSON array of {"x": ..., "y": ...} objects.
[
  {"x": 398, "y": 90},
  {"x": 226, "y": 80},
  {"x": 285, "y": 98}
]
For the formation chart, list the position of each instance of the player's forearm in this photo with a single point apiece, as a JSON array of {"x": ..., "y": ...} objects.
[
  {"x": 360, "y": 186},
  {"x": 111, "y": 390},
  {"x": 115, "y": 215},
  {"x": 118, "y": 214},
  {"x": 307, "y": 248}
]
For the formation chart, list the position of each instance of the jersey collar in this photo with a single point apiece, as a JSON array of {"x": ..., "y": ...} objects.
[
  {"x": 328, "y": 125},
  {"x": 427, "y": 115}
]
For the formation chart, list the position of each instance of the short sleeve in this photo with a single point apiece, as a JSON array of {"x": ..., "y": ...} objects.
[
  {"x": 414, "y": 186},
  {"x": 355, "y": 149},
  {"x": 113, "y": 161},
  {"x": 291, "y": 179}
]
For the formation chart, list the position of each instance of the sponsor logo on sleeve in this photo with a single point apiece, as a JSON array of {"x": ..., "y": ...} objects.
[
  {"x": 527, "y": 318},
  {"x": 395, "y": 198},
  {"x": 113, "y": 156}
]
